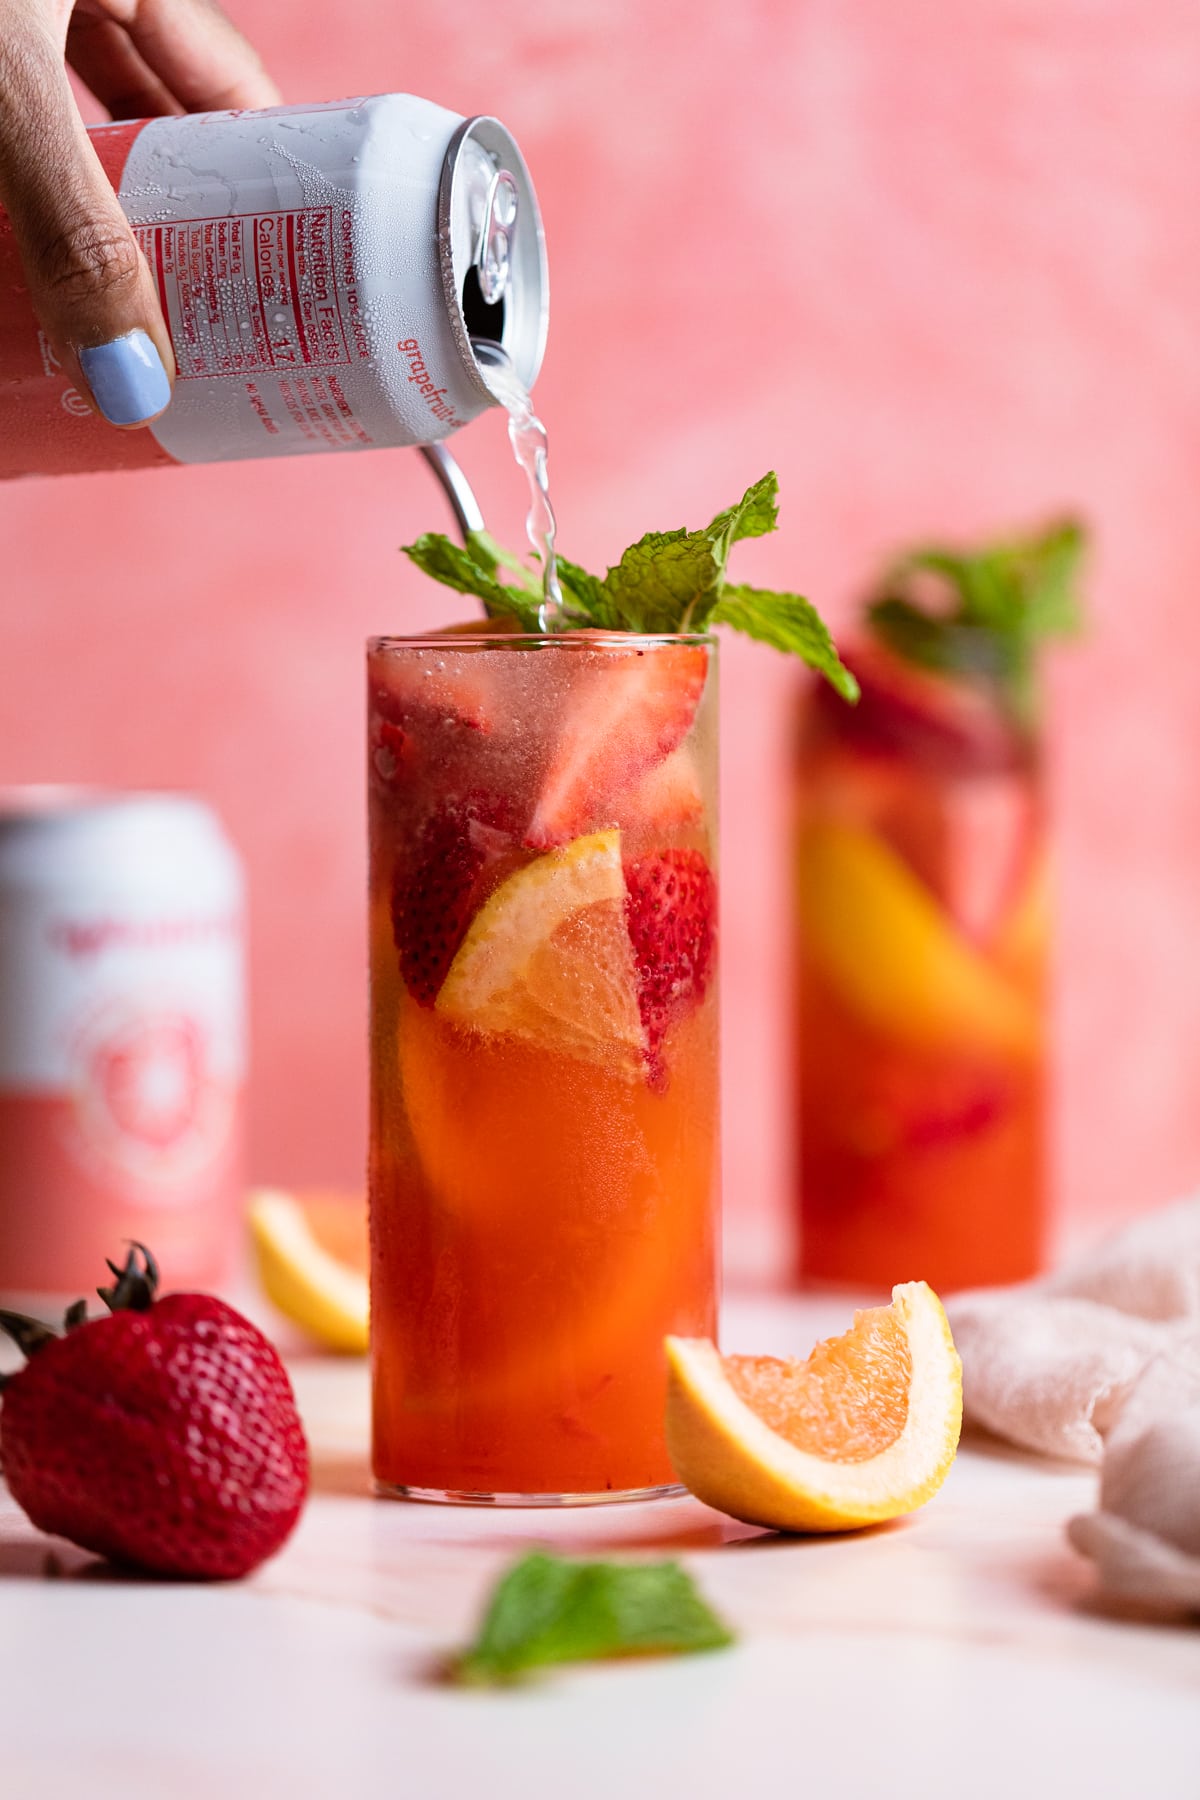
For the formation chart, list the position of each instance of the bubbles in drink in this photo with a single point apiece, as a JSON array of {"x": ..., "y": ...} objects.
[{"x": 527, "y": 435}]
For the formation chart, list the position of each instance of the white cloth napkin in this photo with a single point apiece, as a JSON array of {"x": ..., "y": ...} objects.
[{"x": 1100, "y": 1363}]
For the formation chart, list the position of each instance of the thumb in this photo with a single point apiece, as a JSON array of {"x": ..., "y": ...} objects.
[{"x": 88, "y": 280}]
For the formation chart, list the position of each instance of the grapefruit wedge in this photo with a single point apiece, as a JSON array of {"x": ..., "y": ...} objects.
[
  {"x": 547, "y": 959},
  {"x": 884, "y": 946},
  {"x": 863, "y": 1431},
  {"x": 312, "y": 1258}
]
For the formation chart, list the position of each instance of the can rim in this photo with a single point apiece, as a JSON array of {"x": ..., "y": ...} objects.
[
  {"x": 37, "y": 801},
  {"x": 526, "y": 360}
]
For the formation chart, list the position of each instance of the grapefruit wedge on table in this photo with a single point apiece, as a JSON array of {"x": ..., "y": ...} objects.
[
  {"x": 311, "y": 1251},
  {"x": 864, "y": 1430}
]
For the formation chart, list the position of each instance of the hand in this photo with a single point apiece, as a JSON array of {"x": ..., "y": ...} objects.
[{"x": 88, "y": 280}]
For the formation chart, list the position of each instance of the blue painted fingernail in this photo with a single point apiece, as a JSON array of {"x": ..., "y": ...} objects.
[{"x": 127, "y": 378}]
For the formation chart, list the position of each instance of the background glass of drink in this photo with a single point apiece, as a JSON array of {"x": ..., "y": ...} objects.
[
  {"x": 923, "y": 916},
  {"x": 544, "y": 1164}
]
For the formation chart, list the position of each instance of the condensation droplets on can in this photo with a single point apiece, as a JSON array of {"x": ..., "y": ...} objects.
[
  {"x": 322, "y": 270},
  {"x": 122, "y": 1039}
]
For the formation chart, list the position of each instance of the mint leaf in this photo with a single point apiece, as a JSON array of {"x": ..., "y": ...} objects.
[
  {"x": 671, "y": 580},
  {"x": 489, "y": 555},
  {"x": 944, "y": 645},
  {"x": 1052, "y": 566},
  {"x": 984, "y": 613},
  {"x": 787, "y": 622},
  {"x": 756, "y": 514},
  {"x": 663, "y": 582},
  {"x": 668, "y": 582},
  {"x": 583, "y": 594},
  {"x": 549, "y": 1609},
  {"x": 472, "y": 570},
  {"x": 475, "y": 568}
]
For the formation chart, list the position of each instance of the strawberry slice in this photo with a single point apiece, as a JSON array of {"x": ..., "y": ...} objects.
[
  {"x": 626, "y": 715},
  {"x": 410, "y": 692},
  {"x": 669, "y": 794},
  {"x": 391, "y": 749},
  {"x": 671, "y": 913},
  {"x": 940, "y": 721},
  {"x": 462, "y": 846},
  {"x": 992, "y": 831}
]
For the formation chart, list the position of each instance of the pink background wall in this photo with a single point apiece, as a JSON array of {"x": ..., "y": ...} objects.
[{"x": 939, "y": 266}]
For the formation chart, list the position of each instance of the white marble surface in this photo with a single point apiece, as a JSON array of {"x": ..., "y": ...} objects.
[{"x": 957, "y": 1653}]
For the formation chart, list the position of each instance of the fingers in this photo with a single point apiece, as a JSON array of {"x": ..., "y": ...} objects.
[
  {"x": 196, "y": 53},
  {"x": 87, "y": 278},
  {"x": 101, "y": 53}
]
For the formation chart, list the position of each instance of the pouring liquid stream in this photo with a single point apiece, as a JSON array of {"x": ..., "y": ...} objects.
[{"x": 527, "y": 435}]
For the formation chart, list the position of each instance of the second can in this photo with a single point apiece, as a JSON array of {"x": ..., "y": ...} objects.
[{"x": 122, "y": 1038}]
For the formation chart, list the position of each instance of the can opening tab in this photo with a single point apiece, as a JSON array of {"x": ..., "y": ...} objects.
[{"x": 493, "y": 260}]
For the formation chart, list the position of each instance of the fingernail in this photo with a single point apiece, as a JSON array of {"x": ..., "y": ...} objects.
[{"x": 127, "y": 378}]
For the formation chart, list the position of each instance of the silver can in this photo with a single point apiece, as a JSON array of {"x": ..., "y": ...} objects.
[
  {"x": 322, "y": 269},
  {"x": 122, "y": 1038}
]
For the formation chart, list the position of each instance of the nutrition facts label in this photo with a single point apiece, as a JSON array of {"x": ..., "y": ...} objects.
[{"x": 250, "y": 294}]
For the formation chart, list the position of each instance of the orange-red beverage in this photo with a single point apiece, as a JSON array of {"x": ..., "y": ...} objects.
[
  {"x": 544, "y": 1124},
  {"x": 922, "y": 903}
]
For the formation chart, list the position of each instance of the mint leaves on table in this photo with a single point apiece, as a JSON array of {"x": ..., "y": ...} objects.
[
  {"x": 551, "y": 1609},
  {"x": 669, "y": 581},
  {"x": 984, "y": 613}
]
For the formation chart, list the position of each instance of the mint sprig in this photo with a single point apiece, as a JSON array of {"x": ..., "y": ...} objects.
[
  {"x": 669, "y": 581},
  {"x": 984, "y": 613},
  {"x": 549, "y": 1609}
]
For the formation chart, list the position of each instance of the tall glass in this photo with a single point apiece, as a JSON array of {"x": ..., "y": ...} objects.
[
  {"x": 923, "y": 915},
  {"x": 544, "y": 1172}
]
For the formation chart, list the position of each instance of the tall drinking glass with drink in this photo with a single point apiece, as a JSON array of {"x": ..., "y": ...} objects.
[
  {"x": 922, "y": 890},
  {"x": 544, "y": 931},
  {"x": 544, "y": 1176}
]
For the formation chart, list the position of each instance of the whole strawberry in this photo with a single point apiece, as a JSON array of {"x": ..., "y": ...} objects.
[{"x": 164, "y": 1437}]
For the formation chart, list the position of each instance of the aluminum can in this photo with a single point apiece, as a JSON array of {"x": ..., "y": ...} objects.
[
  {"x": 322, "y": 270},
  {"x": 122, "y": 1038}
]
